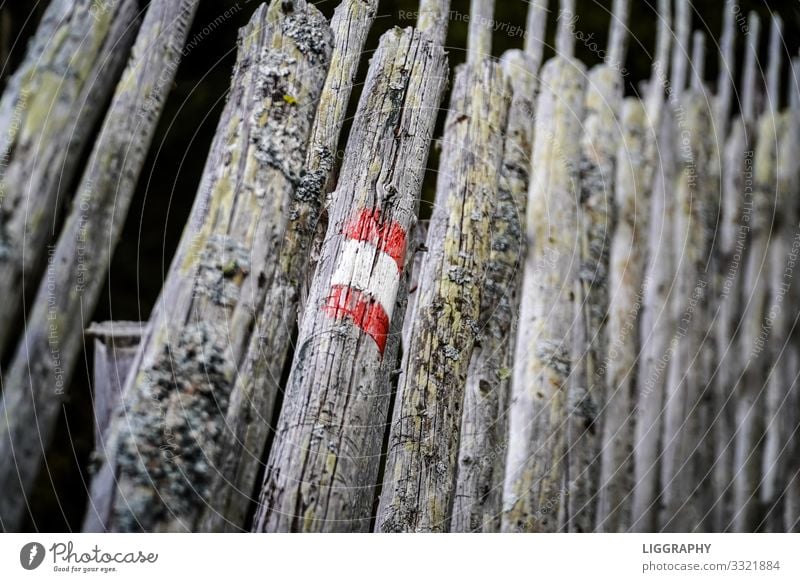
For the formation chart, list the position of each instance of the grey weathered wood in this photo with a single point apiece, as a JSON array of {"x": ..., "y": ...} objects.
[
  {"x": 323, "y": 464},
  {"x": 49, "y": 351},
  {"x": 725, "y": 76},
  {"x": 115, "y": 347},
  {"x": 433, "y": 19},
  {"x": 481, "y": 26},
  {"x": 735, "y": 217},
  {"x": 696, "y": 192},
  {"x": 681, "y": 48},
  {"x": 254, "y": 396},
  {"x": 655, "y": 327},
  {"x": 565, "y": 41},
  {"x": 478, "y": 494},
  {"x": 698, "y": 60},
  {"x": 781, "y": 313},
  {"x": 618, "y": 33},
  {"x": 626, "y": 279},
  {"x": 757, "y": 324},
  {"x": 587, "y": 395},
  {"x": 47, "y": 114},
  {"x": 533, "y": 492},
  {"x": 166, "y": 441},
  {"x": 534, "y": 31},
  {"x": 423, "y": 444}
]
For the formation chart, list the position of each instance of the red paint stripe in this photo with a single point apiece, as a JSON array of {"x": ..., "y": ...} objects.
[
  {"x": 367, "y": 314},
  {"x": 389, "y": 238}
]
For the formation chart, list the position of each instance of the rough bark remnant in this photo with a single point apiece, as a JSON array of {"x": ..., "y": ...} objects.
[
  {"x": 323, "y": 466},
  {"x": 166, "y": 442},
  {"x": 47, "y": 114},
  {"x": 423, "y": 445},
  {"x": 534, "y": 488},
  {"x": 42, "y": 367},
  {"x": 254, "y": 396},
  {"x": 479, "y": 484}
]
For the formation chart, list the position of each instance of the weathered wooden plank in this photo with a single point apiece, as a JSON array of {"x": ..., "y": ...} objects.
[
  {"x": 423, "y": 443},
  {"x": 167, "y": 438},
  {"x": 49, "y": 351},
  {"x": 254, "y": 396},
  {"x": 735, "y": 217},
  {"x": 697, "y": 189},
  {"x": 756, "y": 323},
  {"x": 587, "y": 391},
  {"x": 47, "y": 115},
  {"x": 323, "y": 465},
  {"x": 533, "y": 495},
  {"x": 655, "y": 328},
  {"x": 626, "y": 279},
  {"x": 477, "y": 502}
]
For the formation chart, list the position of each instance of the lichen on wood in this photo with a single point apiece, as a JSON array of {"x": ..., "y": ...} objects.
[
  {"x": 253, "y": 401},
  {"x": 215, "y": 290},
  {"x": 534, "y": 495},
  {"x": 323, "y": 465},
  {"x": 423, "y": 444}
]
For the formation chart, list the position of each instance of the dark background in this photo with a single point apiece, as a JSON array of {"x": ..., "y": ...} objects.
[{"x": 172, "y": 172}]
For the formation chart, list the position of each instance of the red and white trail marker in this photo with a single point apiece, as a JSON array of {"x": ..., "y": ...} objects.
[{"x": 367, "y": 276}]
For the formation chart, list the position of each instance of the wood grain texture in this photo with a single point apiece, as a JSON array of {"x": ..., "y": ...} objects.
[
  {"x": 254, "y": 396},
  {"x": 323, "y": 466},
  {"x": 477, "y": 503},
  {"x": 534, "y": 488},
  {"x": 165, "y": 444},
  {"x": 422, "y": 460}
]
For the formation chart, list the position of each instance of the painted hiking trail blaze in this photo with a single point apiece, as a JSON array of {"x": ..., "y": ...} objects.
[{"x": 365, "y": 283}]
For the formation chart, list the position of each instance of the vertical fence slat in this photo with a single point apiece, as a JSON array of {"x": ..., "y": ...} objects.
[
  {"x": 533, "y": 492},
  {"x": 254, "y": 397},
  {"x": 324, "y": 462}
]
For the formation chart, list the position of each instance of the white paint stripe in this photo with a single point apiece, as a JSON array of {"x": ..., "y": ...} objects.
[{"x": 363, "y": 267}]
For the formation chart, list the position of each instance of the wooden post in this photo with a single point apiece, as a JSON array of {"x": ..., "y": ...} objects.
[
  {"x": 756, "y": 322},
  {"x": 655, "y": 329},
  {"x": 423, "y": 444},
  {"x": 165, "y": 444},
  {"x": 478, "y": 494},
  {"x": 254, "y": 396},
  {"x": 533, "y": 492},
  {"x": 47, "y": 114},
  {"x": 115, "y": 347},
  {"x": 586, "y": 397},
  {"x": 35, "y": 383},
  {"x": 323, "y": 465},
  {"x": 735, "y": 217},
  {"x": 725, "y": 76},
  {"x": 696, "y": 191}
]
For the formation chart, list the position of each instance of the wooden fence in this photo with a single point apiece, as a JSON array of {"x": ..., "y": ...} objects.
[{"x": 595, "y": 331}]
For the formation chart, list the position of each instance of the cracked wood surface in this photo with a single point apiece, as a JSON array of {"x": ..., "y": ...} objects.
[
  {"x": 323, "y": 466},
  {"x": 77, "y": 265},
  {"x": 423, "y": 444},
  {"x": 47, "y": 115},
  {"x": 165, "y": 442},
  {"x": 477, "y": 501},
  {"x": 533, "y": 496},
  {"x": 254, "y": 397}
]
